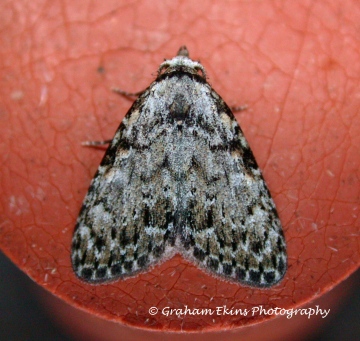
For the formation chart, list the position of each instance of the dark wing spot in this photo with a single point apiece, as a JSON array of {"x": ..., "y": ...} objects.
[
  {"x": 116, "y": 270},
  {"x": 86, "y": 273},
  {"x": 227, "y": 269},
  {"x": 280, "y": 244},
  {"x": 281, "y": 266},
  {"x": 76, "y": 262},
  {"x": 256, "y": 247},
  {"x": 199, "y": 254},
  {"x": 179, "y": 108},
  {"x": 213, "y": 263},
  {"x": 128, "y": 265},
  {"x": 240, "y": 274},
  {"x": 244, "y": 237},
  {"x": 146, "y": 216},
  {"x": 269, "y": 277},
  {"x": 254, "y": 276},
  {"x": 142, "y": 261},
  {"x": 209, "y": 218},
  {"x": 99, "y": 243},
  {"x": 234, "y": 246},
  {"x": 100, "y": 273},
  {"x": 248, "y": 158},
  {"x": 158, "y": 251},
  {"x": 274, "y": 260}
]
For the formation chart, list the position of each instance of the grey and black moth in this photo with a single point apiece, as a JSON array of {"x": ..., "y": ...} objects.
[{"x": 179, "y": 177}]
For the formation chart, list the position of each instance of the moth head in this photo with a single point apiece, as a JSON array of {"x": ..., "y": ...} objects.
[{"x": 182, "y": 62}]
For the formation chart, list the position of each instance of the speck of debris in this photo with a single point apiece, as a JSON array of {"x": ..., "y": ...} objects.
[
  {"x": 17, "y": 95},
  {"x": 101, "y": 69}
]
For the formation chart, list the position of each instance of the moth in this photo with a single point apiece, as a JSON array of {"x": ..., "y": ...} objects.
[{"x": 179, "y": 177}]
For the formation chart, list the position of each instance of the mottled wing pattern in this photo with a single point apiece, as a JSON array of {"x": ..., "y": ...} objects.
[
  {"x": 125, "y": 220},
  {"x": 179, "y": 177},
  {"x": 233, "y": 227}
]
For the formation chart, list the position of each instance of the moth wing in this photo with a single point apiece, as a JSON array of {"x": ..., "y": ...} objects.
[
  {"x": 125, "y": 222},
  {"x": 233, "y": 227}
]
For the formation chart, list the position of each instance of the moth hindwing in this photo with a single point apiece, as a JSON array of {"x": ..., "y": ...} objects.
[{"x": 179, "y": 177}]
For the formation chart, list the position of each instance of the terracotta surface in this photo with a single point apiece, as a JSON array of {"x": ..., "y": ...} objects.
[
  {"x": 83, "y": 326},
  {"x": 296, "y": 66}
]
